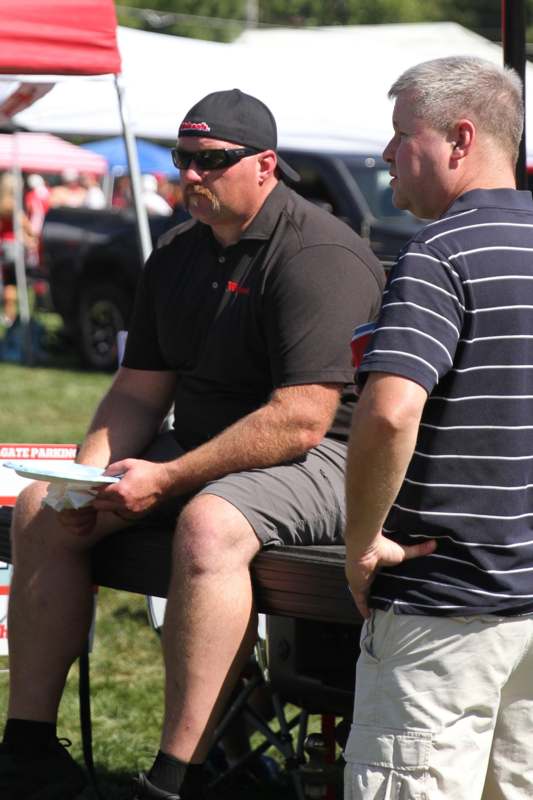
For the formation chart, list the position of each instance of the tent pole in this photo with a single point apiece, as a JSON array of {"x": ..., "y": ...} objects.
[
  {"x": 20, "y": 265},
  {"x": 107, "y": 187},
  {"x": 143, "y": 229}
]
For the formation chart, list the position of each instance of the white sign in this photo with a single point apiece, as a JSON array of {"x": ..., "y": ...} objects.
[
  {"x": 5, "y": 579},
  {"x": 11, "y": 484}
]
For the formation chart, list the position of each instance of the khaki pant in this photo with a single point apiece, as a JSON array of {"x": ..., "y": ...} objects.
[{"x": 443, "y": 709}]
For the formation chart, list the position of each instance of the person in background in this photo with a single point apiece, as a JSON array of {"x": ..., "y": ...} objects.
[
  {"x": 94, "y": 194},
  {"x": 122, "y": 196},
  {"x": 36, "y": 204},
  {"x": 36, "y": 201},
  {"x": 242, "y": 322},
  {"x": 8, "y": 282},
  {"x": 154, "y": 202},
  {"x": 69, "y": 192},
  {"x": 170, "y": 188},
  {"x": 439, "y": 531}
]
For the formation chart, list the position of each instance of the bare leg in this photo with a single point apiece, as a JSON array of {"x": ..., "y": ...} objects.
[
  {"x": 10, "y": 302},
  {"x": 210, "y": 623},
  {"x": 50, "y": 605}
]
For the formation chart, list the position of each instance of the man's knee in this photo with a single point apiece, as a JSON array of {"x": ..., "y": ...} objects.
[
  {"x": 37, "y": 527},
  {"x": 27, "y": 510},
  {"x": 29, "y": 504},
  {"x": 213, "y": 535}
]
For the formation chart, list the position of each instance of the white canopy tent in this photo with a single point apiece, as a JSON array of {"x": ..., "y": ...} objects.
[
  {"x": 336, "y": 79},
  {"x": 327, "y": 83},
  {"x": 161, "y": 74}
]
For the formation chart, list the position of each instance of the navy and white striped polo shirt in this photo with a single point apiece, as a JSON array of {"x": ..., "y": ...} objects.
[{"x": 457, "y": 318}]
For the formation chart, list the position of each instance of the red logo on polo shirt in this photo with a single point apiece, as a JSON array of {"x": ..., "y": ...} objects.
[
  {"x": 195, "y": 126},
  {"x": 234, "y": 287}
]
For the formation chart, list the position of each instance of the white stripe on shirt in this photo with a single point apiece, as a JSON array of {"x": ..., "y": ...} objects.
[
  {"x": 430, "y": 367},
  {"x": 478, "y": 225},
  {"x": 424, "y": 309},
  {"x": 419, "y": 333},
  {"x": 479, "y": 486}
]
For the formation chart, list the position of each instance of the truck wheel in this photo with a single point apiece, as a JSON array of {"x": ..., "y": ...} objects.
[{"x": 103, "y": 312}]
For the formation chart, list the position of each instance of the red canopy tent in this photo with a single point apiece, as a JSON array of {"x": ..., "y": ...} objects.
[
  {"x": 58, "y": 37},
  {"x": 39, "y": 43}
]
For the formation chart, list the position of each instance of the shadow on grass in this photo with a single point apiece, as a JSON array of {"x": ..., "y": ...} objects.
[
  {"x": 119, "y": 786},
  {"x": 52, "y": 346},
  {"x": 58, "y": 351},
  {"x": 125, "y": 612}
]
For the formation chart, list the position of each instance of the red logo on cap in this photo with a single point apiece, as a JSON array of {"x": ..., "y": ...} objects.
[{"x": 194, "y": 126}]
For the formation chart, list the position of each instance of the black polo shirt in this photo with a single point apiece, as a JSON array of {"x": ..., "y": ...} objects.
[{"x": 275, "y": 309}]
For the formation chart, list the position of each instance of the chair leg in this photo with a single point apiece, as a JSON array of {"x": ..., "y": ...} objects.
[
  {"x": 84, "y": 695},
  {"x": 281, "y": 740},
  {"x": 293, "y": 759}
]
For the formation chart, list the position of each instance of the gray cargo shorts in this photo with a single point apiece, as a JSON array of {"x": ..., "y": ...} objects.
[{"x": 296, "y": 503}]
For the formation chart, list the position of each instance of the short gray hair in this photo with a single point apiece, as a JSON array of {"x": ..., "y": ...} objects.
[{"x": 448, "y": 89}]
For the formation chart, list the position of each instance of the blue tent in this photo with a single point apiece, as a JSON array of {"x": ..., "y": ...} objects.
[{"x": 152, "y": 157}]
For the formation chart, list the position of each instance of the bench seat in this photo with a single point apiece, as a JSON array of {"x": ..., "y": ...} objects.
[{"x": 300, "y": 582}]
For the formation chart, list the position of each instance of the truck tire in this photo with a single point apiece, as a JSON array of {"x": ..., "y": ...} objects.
[{"x": 103, "y": 311}]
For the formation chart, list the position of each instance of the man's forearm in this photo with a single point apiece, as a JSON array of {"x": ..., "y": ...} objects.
[
  {"x": 275, "y": 433},
  {"x": 118, "y": 430},
  {"x": 127, "y": 418},
  {"x": 382, "y": 441}
]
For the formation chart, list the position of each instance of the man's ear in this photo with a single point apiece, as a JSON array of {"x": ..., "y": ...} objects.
[
  {"x": 266, "y": 164},
  {"x": 463, "y": 138}
]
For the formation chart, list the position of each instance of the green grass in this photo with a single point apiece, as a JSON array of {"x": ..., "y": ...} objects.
[
  {"x": 127, "y": 700},
  {"x": 126, "y": 691},
  {"x": 46, "y": 404},
  {"x": 54, "y": 403}
]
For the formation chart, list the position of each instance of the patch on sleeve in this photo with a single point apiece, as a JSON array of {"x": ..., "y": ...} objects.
[{"x": 360, "y": 339}]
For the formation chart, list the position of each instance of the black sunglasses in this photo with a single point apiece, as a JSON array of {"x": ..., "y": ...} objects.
[{"x": 210, "y": 159}]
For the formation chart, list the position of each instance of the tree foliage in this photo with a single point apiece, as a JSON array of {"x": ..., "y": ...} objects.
[
  {"x": 223, "y": 20},
  {"x": 219, "y": 20},
  {"x": 345, "y": 12}
]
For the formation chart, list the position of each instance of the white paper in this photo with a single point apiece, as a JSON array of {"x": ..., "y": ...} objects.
[{"x": 65, "y": 495}]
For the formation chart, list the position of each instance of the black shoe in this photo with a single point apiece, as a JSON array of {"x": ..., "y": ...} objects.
[
  {"x": 51, "y": 775},
  {"x": 145, "y": 790}
]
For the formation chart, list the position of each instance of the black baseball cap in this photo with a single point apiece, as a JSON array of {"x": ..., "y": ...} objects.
[{"x": 234, "y": 116}]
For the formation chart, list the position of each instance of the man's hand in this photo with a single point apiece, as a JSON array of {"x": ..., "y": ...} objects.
[
  {"x": 361, "y": 568},
  {"x": 143, "y": 486},
  {"x": 80, "y": 521}
]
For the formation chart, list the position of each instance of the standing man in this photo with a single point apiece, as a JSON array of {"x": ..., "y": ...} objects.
[
  {"x": 241, "y": 321},
  {"x": 440, "y": 510}
]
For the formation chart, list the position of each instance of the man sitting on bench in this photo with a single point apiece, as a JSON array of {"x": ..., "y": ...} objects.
[{"x": 242, "y": 320}]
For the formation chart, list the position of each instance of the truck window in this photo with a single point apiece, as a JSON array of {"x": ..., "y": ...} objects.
[
  {"x": 313, "y": 187},
  {"x": 374, "y": 181}
]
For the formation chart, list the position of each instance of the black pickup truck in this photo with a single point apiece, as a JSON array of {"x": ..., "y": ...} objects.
[{"x": 93, "y": 260}]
